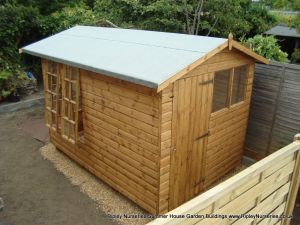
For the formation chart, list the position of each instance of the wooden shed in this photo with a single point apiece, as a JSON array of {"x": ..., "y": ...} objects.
[{"x": 157, "y": 116}]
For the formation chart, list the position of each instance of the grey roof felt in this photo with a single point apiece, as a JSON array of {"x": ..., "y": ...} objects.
[
  {"x": 284, "y": 31},
  {"x": 143, "y": 57}
]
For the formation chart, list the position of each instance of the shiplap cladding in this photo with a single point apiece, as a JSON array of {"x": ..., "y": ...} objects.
[
  {"x": 160, "y": 149},
  {"x": 196, "y": 163},
  {"x": 275, "y": 108}
]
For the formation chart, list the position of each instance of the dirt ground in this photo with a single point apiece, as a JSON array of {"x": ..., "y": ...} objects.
[{"x": 34, "y": 192}]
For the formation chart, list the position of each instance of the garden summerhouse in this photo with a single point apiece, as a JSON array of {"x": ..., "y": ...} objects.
[{"x": 158, "y": 116}]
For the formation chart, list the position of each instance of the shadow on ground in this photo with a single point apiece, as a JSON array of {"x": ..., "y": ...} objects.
[{"x": 34, "y": 192}]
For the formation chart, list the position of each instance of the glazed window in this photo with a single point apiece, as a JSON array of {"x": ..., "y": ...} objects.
[
  {"x": 239, "y": 84},
  {"x": 70, "y": 103},
  {"x": 229, "y": 87},
  {"x": 52, "y": 93},
  {"x": 63, "y": 103},
  {"x": 220, "y": 91}
]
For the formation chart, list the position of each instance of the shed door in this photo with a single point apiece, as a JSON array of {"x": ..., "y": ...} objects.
[{"x": 192, "y": 107}]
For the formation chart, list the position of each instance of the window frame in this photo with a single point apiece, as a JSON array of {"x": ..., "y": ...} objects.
[
  {"x": 71, "y": 114},
  {"x": 229, "y": 104},
  {"x": 66, "y": 117}
]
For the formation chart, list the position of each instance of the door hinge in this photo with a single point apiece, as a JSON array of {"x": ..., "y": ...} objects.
[
  {"x": 206, "y": 82},
  {"x": 203, "y": 135}
]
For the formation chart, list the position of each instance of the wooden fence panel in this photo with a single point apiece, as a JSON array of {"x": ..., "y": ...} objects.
[
  {"x": 268, "y": 187},
  {"x": 275, "y": 108}
]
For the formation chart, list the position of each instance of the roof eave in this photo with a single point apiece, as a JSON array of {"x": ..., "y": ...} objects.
[
  {"x": 249, "y": 52},
  {"x": 92, "y": 69},
  {"x": 230, "y": 43},
  {"x": 190, "y": 67}
]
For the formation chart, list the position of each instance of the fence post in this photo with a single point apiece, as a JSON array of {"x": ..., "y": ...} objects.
[{"x": 291, "y": 199}]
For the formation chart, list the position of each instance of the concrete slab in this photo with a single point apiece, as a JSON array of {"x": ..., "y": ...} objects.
[
  {"x": 36, "y": 128},
  {"x": 33, "y": 191}
]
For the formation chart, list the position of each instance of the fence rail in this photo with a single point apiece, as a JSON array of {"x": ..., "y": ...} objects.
[
  {"x": 268, "y": 187},
  {"x": 275, "y": 108}
]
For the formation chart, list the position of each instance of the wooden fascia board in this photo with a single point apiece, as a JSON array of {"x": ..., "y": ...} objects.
[
  {"x": 190, "y": 67},
  {"x": 249, "y": 52}
]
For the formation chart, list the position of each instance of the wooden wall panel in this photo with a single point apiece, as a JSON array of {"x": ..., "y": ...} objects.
[
  {"x": 121, "y": 137},
  {"x": 275, "y": 108},
  {"x": 224, "y": 145},
  {"x": 227, "y": 136},
  {"x": 130, "y": 134},
  {"x": 191, "y": 118}
]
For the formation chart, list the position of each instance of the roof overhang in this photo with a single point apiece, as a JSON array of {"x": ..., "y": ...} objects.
[{"x": 229, "y": 44}]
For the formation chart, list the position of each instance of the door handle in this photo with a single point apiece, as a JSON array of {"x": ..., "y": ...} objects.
[{"x": 203, "y": 135}]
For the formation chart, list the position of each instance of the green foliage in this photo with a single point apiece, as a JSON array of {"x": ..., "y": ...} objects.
[
  {"x": 259, "y": 20},
  {"x": 266, "y": 47},
  {"x": 25, "y": 21},
  {"x": 296, "y": 56},
  {"x": 124, "y": 13},
  {"x": 170, "y": 15},
  {"x": 283, "y": 4},
  {"x": 11, "y": 82},
  {"x": 66, "y": 18},
  {"x": 296, "y": 23},
  {"x": 244, "y": 18},
  {"x": 163, "y": 15},
  {"x": 17, "y": 23},
  {"x": 281, "y": 18}
]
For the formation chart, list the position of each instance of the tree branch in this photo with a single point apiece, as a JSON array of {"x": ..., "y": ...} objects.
[
  {"x": 199, "y": 18},
  {"x": 210, "y": 30}
]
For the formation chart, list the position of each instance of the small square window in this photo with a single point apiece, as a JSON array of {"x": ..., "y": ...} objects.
[
  {"x": 239, "y": 84},
  {"x": 220, "y": 91}
]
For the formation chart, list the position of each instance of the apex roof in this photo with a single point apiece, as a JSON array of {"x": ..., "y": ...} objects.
[{"x": 148, "y": 58}]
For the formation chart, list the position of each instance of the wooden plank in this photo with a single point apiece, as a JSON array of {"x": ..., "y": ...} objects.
[
  {"x": 113, "y": 182},
  {"x": 135, "y": 152},
  {"x": 275, "y": 91},
  {"x": 119, "y": 99},
  {"x": 122, "y": 90},
  {"x": 148, "y": 128},
  {"x": 113, "y": 133},
  {"x": 243, "y": 200},
  {"x": 131, "y": 112},
  {"x": 105, "y": 166},
  {"x": 139, "y": 136},
  {"x": 294, "y": 186},
  {"x": 110, "y": 150},
  {"x": 192, "y": 112}
]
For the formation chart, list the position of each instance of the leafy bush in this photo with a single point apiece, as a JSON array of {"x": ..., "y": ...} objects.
[
  {"x": 18, "y": 24},
  {"x": 296, "y": 56},
  {"x": 66, "y": 18},
  {"x": 9, "y": 83},
  {"x": 296, "y": 23},
  {"x": 15, "y": 83},
  {"x": 281, "y": 18},
  {"x": 266, "y": 47}
]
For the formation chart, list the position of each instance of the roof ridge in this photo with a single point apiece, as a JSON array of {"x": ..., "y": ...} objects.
[{"x": 132, "y": 42}]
